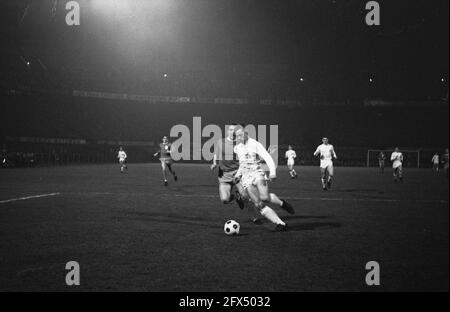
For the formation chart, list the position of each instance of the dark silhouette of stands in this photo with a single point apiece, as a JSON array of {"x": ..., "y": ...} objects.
[{"x": 352, "y": 128}]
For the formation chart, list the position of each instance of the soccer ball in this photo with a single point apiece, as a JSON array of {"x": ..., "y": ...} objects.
[{"x": 231, "y": 227}]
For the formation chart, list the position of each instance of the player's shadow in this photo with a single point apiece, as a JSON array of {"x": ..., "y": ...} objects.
[
  {"x": 295, "y": 217},
  {"x": 353, "y": 190},
  {"x": 311, "y": 226}
]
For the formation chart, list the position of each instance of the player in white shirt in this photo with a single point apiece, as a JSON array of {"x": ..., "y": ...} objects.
[
  {"x": 122, "y": 156},
  {"x": 435, "y": 162},
  {"x": 290, "y": 155},
  {"x": 397, "y": 164},
  {"x": 327, "y": 154},
  {"x": 253, "y": 178}
]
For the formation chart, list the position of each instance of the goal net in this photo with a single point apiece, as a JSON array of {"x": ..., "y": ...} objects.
[{"x": 411, "y": 158}]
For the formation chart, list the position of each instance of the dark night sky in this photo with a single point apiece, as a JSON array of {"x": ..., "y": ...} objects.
[{"x": 325, "y": 41}]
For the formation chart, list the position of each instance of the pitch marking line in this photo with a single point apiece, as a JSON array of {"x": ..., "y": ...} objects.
[{"x": 27, "y": 197}]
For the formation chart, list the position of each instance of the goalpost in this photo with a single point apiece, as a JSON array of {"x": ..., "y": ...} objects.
[{"x": 411, "y": 158}]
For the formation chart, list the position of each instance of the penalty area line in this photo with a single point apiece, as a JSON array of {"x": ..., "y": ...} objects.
[{"x": 27, "y": 197}]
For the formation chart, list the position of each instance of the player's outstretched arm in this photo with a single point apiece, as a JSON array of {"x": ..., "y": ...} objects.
[
  {"x": 316, "y": 153},
  {"x": 261, "y": 151},
  {"x": 214, "y": 163}
]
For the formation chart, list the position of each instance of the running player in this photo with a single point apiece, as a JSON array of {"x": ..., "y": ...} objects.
[
  {"x": 254, "y": 180},
  {"x": 445, "y": 161},
  {"x": 228, "y": 166},
  {"x": 226, "y": 160},
  {"x": 435, "y": 162},
  {"x": 381, "y": 161},
  {"x": 166, "y": 159},
  {"x": 290, "y": 155},
  {"x": 397, "y": 164},
  {"x": 327, "y": 154},
  {"x": 122, "y": 156}
]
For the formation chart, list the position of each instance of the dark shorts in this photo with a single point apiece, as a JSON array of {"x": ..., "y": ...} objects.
[{"x": 226, "y": 176}]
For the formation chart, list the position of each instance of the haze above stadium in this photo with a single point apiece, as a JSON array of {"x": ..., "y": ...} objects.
[{"x": 282, "y": 49}]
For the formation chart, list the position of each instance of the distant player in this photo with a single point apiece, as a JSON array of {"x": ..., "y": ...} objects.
[
  {"x": 435, "y": 162},
  {"x": 397, "y": 164},
  {"x": 290, "y": 155},
  {"x": 122, "y": 156},
  {"x": 327, "y": 154},
  {"x": 166, "y": 159},
  {"x": 253, "y": 177},
  {"x": 381, "y": 161},
  {"x": 445, "y": 161}
]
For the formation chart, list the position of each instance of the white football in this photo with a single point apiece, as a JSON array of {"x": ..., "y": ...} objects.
[{"x": 231, "y": 227}]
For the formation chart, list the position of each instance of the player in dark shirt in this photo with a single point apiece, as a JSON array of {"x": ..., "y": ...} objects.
[
  {"x": 445, "y": 161},
  {"x": 225, "y": 159},
  {"x": 166, "y": 159},
  {"x": 381, "y": 161}
]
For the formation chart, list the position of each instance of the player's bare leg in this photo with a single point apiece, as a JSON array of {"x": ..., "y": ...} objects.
[
  {"x": 292, "y": 171},
  {"x": 266, "y": 197},
  {"x": 266, "y": 211},
  {"x": 330, "y": 170},
  {"x": 175, "y": 177},
  {"x": 323, "y": 172},
  {"x": 395, "y": 174},
  {"x": 163, "y": 166},
  {"x": 225, "y": 193},
  {"x": 381, "y": 168},
  {"x": 243, "y": 200},
  {"x": 228, "y": 194},
  {"x": 240, "y": 195}
]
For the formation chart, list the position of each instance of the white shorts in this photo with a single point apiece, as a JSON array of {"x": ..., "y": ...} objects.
[
  {"x": 250, "y": 178},
  {"x": 324, "y": 163},
  {"x": 290, "y": 162}
]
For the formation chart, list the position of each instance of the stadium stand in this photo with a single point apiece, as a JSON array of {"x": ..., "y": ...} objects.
[{"x": 101, "y": 124}]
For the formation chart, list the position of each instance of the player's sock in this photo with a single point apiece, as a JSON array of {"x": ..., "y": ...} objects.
[{"x": 271, "y": 215}]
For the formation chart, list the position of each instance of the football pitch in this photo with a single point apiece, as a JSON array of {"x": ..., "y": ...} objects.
[{"x": 129, "y": 232}]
